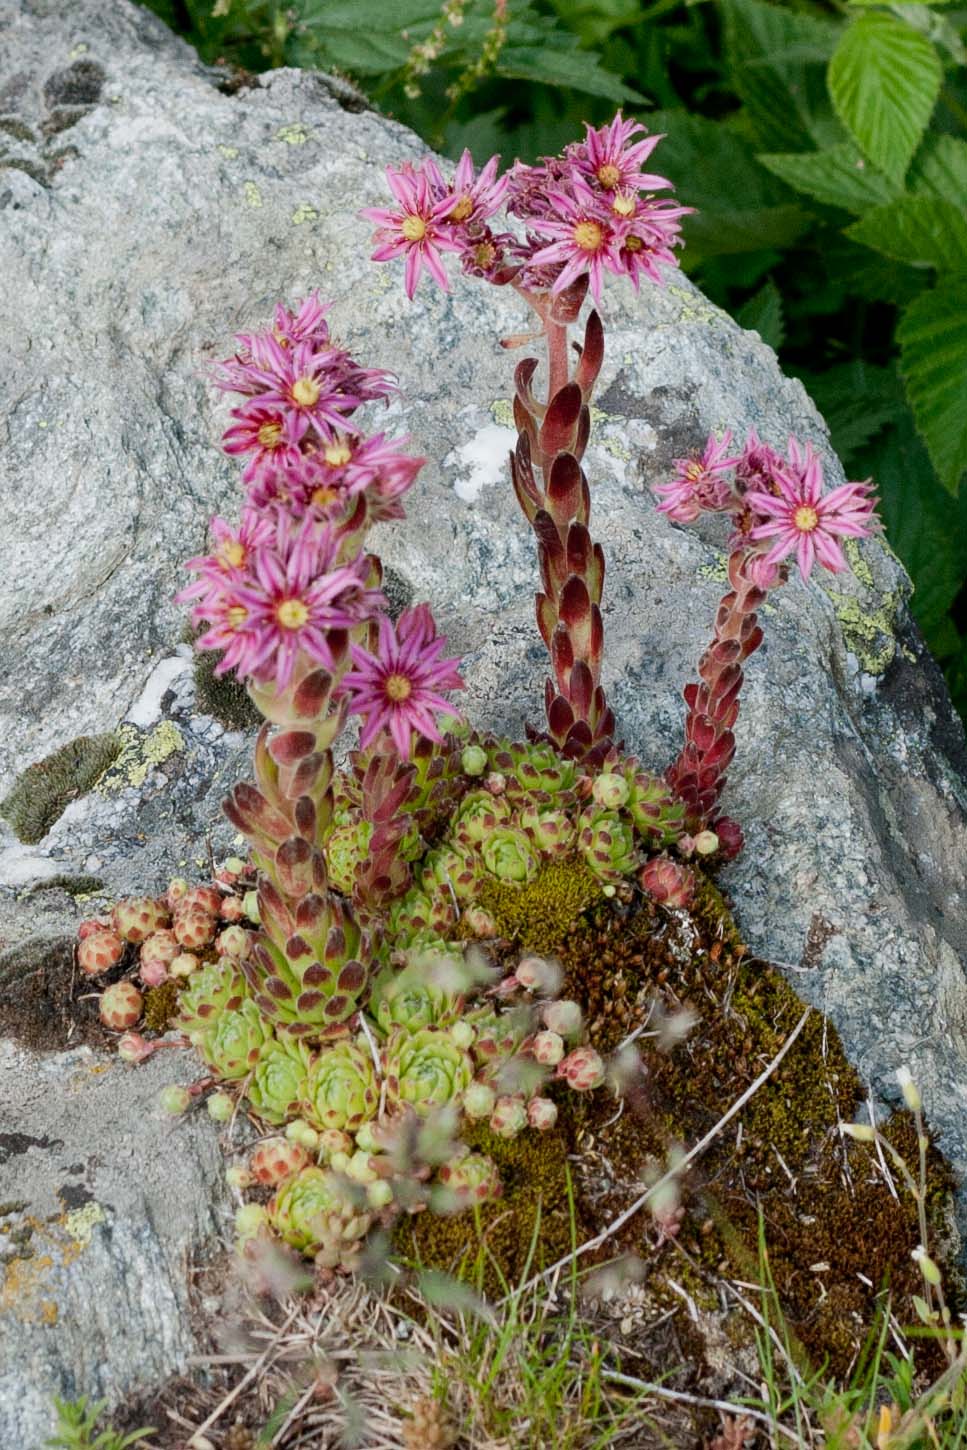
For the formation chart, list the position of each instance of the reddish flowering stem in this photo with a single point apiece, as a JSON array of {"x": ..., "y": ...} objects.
[
  {"x": 553, "y": 493},
  {"x": 698, "y": 775}
]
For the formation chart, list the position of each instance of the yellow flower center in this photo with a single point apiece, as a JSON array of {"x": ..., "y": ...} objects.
[
  {"x": 305, "y": 392},
  {"x": 485, "y": 255},
  {"x": 338, "y": 453},
  {"x": 693, "y": 472},
  {"x": 623, "y": 205},
  {"x": 608, "y": 175},
  {"x": 236, "y": 616},
  {"x": 461, "y": 210},
  {"x": 588, "y": 236},
  {"x": 270, "y": 435},
  {"x": 323, "y": 496},
  {"x": 233, "y": 553},
  {"x": 413, "y": 228},
  {"x": 805, "y": 519},
  {"x": 292, "y": 614},
  {"x": 398, "y": 688}
]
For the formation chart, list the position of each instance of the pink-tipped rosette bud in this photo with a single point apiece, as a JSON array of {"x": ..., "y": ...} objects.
[
  {"x": 136, "y": 917},
  {"x": 205, "y": 898},
  {"x": 330, "y": 1141},
  {"x": 565, "y": 1018},
  {"x": 234, "y": 942},
  {"x": 99, "y": 952},
  {"x": 667, "y": 881},
  {"x": 541, "y": 1114},
  {"x": 276, "y": 1159},
  {"x": 183, "y": 965},
  {"x": 153, "y": 973},
  {"x": 582, "y": 1069},
  {"x": 706, "y": 843},
  {"x": 120, "y": 1006},
  {"x": 509, "y": 1117},
  {"x": 534, "y": 974},
  {"x": 177, "y": 891},
  {"x": 238, "y": 1177},
  {"x": 610, "y": 791},
  {"x": 232, "y": 908},
  {"x": 193, "y": 926},
  {"x": 91, "y": 924},
  {"x": 132, "y": 1047},
  {"x": 473, "y": 761},
  {"x": 479, "y": 923},
  {"x": 731, "y": 839},
  {"x": 548, "y": 1048}
]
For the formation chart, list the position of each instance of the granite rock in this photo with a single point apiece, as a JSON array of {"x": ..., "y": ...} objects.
[{"x": 146, "y": 215}]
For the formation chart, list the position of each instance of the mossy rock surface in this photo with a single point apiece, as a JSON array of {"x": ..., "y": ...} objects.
[
  {"x": 836, "y": 1235},
  {"x": 42, "y": 793}
]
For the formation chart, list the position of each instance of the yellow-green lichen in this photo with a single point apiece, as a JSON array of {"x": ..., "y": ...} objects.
[
  {"x": 305, "y": 212},
  {"x": 80, "y": 1223},
  {"x": 295, "y": 134},
  {"x": 502, "y": 412},
  {"x": 42, "y": 793},
  {"x": 229, "y": 152},
  {"x": 140, "y": 752},
  {"x": 868, "y": 629},
  {"x": 252, "y": 195},
  {"x": 693, "y": 309}
]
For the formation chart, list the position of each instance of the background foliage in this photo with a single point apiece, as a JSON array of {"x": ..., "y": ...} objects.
[{"x": 824, "y": 143}]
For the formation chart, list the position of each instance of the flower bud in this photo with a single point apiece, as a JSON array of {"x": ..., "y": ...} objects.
[
  {"x": 473, "y": 761},
  {"x": 232, "y": 908},
  {"x": 250, "y": 905},
  {"x": 299, "y": 1131},
  {"x": 177, "y": 890},
  {"x": 541, "y": 1114},
  {"x": 183, "y": 965},
  {"x": 548, "y": 1048},
  {"x": 174, "y": 1100},
  {"x": 358, "y": 1168},
  {"x": 339, "y": 1162},
  {"x": 333, "y": 1140},
  {"x": 610, "y": 791},
  {"x": 478, "y": 1100},
  {"x": 220, "y": 1107},
  {"x": 238, "y": 1176},
  {"x": 508, "y": 1118},
  {"x": 911, "y": 1093},
  {"x": 534, "y": 974},
  {"x": 480, "y": 923},
  {"x": 496, "y": 783},
  {"x": 379, "y": 1194},
  {"x": 582, "y": 1069},
  {"x": 153, "y": 973},
  {"x": 365, "y": 1138},
  {"x": 706, "y": 843}
]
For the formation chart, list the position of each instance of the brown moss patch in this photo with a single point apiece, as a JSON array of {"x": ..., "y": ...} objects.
[{"x": 835, "y": 1234}]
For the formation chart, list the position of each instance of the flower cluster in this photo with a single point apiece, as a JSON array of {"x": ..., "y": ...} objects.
[
  {"x": 291, "y": 580},
  {"x": 589, "y": 212},
  {"x": 777, "y": 504}
]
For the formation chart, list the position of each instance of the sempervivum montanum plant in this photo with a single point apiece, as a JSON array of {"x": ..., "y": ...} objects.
[{"x": 357, "y": 1013}]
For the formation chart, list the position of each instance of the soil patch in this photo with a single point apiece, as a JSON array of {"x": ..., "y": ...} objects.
[{"x": 46, "y": 1003}]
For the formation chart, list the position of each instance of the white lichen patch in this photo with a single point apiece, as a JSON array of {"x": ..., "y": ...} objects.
[
  {"x": 147, "y": 708},
  {"x": 482, "y": 461}
]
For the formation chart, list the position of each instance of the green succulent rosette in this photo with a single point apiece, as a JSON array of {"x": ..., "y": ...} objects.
[
  {"x": 308, "y": 969},
  {"x": 509, "y": 855},
  {"x": 479, "y": 815},
  {"x": 654, "y": 808},
  {"x": 346, "y": 848},
  {"x": 341, "y": 1089},
  {"x": 278, "y": 1085},
  {"x": 552, "y": 830},
  {"x": 535, "y": 771},
  {"x": 607, "y": 843},
  {"x": 451, "y": 866},
  {"x": 218, "y": 988},
  {"x": 232, "y": 1045},
  {"x": 322, "y": 1216},
  {"x": 418, "y": 916},
  {"x": 425, "y": 1070},
  {"x": 414, "y": 997}
]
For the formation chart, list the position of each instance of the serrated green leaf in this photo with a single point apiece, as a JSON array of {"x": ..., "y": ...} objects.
[
  {"x": 941, "y": 170},
  {"x": 838, "y": 177},
  {"x": 869, "y": 275},
  {"x": 368, "y": 37},
  {"x": 926, "y": 527},
  {"x": 856, "y": 399},
  {"x": 763, "y": 314},
  {"x": 922, "y": 231},
  {"x": 884, "y": 80},
  {"x": 933, "y": 360},
  {"x": 776, "y": 60}
]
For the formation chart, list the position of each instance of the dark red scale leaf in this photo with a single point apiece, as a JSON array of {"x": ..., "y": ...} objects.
[
  {"x": 592, "y": 355},
  {"x": 559, "y": 428},
  {"x": 291, "y": 746}
]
